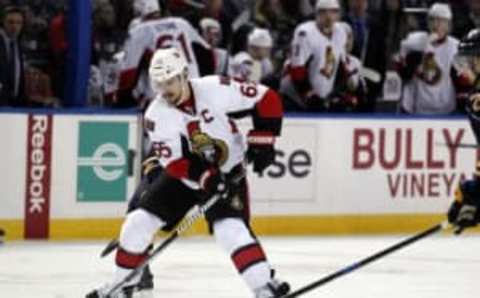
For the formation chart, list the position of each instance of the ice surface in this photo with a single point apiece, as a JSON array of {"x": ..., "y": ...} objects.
[{"x": 441, "y": 266}]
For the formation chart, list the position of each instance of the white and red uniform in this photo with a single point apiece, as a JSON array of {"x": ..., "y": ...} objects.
[
  {"x": 431, "y": 90},
  {"x": 315, "y": 58},
  {"x": 215, "y": 100},
  {"x": 151, "y": 34}
]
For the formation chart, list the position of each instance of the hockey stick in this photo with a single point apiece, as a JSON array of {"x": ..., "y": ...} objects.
[
  {"x": 367, "y": 260},
  {"x": 371, "y": 74},
  {"x": 195, "y": 213},
  {"x": 469, "y": 146},
  {"x": 111, "y": 246}
]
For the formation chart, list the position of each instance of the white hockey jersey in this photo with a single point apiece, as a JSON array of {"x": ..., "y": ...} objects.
[
  {"x": 146, "y": 37},
  {"x": 431, "y": 90},
  {"x": 214, "y": 98},
  {"x": 322, "y": 54},
  {"x": 353, "y": 69}
]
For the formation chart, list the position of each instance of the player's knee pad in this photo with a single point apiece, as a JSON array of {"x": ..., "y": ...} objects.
[
  {"x": 246, "y": 253},
  {"x": 138, "y": 229},
  {"x": 232, "y": 233}
]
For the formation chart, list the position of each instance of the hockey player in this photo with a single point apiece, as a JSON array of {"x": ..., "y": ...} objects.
[
  {"x": 242, "y": 67},
  {"x": 464, "y": 211},
  {"x": 254, "y": 64},
  {"x": 199, "y": 153},
  {"x": 212, "y": 33},
  {"x": 317, "y": 50},
  {"x": 350, "y": 87},
  {"x": 260, "y": 45},
  {"x": 154, "y": 32},
  {"x": 427, "y": 66}
]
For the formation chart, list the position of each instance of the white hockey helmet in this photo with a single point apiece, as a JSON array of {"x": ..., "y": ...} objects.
[
  {"x": 207, "y": 23},
  {"x": 145, "y": 7},
  {"x": 327, "y": 4},
  {"x": 260, "y": 38},
  {"x": 166, "y": 64},
  {"x": 440, "y": 10}
]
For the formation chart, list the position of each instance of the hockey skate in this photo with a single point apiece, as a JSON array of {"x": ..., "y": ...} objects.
[
  {"x": 126, "y": 292},
  {"x": 146, "y": 281},
  {"x": 275, "y": 288},
  {"x": 144, "y": 288}
]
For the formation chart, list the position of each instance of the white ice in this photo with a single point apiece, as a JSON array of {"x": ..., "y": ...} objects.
[{"x": 441, "y": 266}]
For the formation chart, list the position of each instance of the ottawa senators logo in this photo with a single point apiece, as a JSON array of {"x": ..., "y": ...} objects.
[
  {"x": 329, "y": 66},
  {"x": 214, "y": 151},
  {"x": 430, "y": 72}
]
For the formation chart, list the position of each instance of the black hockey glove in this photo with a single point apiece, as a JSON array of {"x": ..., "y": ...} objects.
[
  {"x": 261, "y": 151},
  {"x": 463, "y": 212},
  {"x": 150, "y": 167},
  {"x": 412, "y": 61},
  {"x": 213, "y": 182}
]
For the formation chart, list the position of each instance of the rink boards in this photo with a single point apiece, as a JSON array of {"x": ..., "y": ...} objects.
[{"x": 69, "y": 175}]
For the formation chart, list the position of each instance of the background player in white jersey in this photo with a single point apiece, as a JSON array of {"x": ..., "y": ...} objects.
[
  {"x": 260, "y": 43},
  {"x": 254, "y": 64},
  {"x": 200, "y": 152},
  {"x": 464, "y": 211},
  {"x": 317, "y": 49},
  {"x": 155, "y": 32},
  {"x": 427, "y": 66},
  {"x": 212, "y": 33},
  {"x": 241, "y": 67},
  {"x": 350, "y": 87}
]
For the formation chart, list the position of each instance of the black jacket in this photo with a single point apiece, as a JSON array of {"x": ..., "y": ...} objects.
[{"x": 6, "y": 92}]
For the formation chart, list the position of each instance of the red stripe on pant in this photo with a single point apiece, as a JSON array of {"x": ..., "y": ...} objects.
[
  {"x": 129, "y": 260},
  {"x": 247, "y": 256}
]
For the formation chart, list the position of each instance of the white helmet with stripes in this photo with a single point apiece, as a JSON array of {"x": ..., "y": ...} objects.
[{"x": 166, "y": 64}]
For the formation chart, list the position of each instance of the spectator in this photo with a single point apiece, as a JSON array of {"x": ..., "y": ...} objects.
[
  {"x": 427, "y": 67},
  {"x": 107, "y": 37},
  {"x": 369, "y": 47},
  {"x": 35, "y": 38},
  {"x": 212, "y": 33},
  {"x": 12, "y": 92},
  {"x": 38, "y": 87}
]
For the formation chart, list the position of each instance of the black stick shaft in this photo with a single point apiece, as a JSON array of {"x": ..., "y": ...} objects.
[{"x": 365, "y": 261}]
